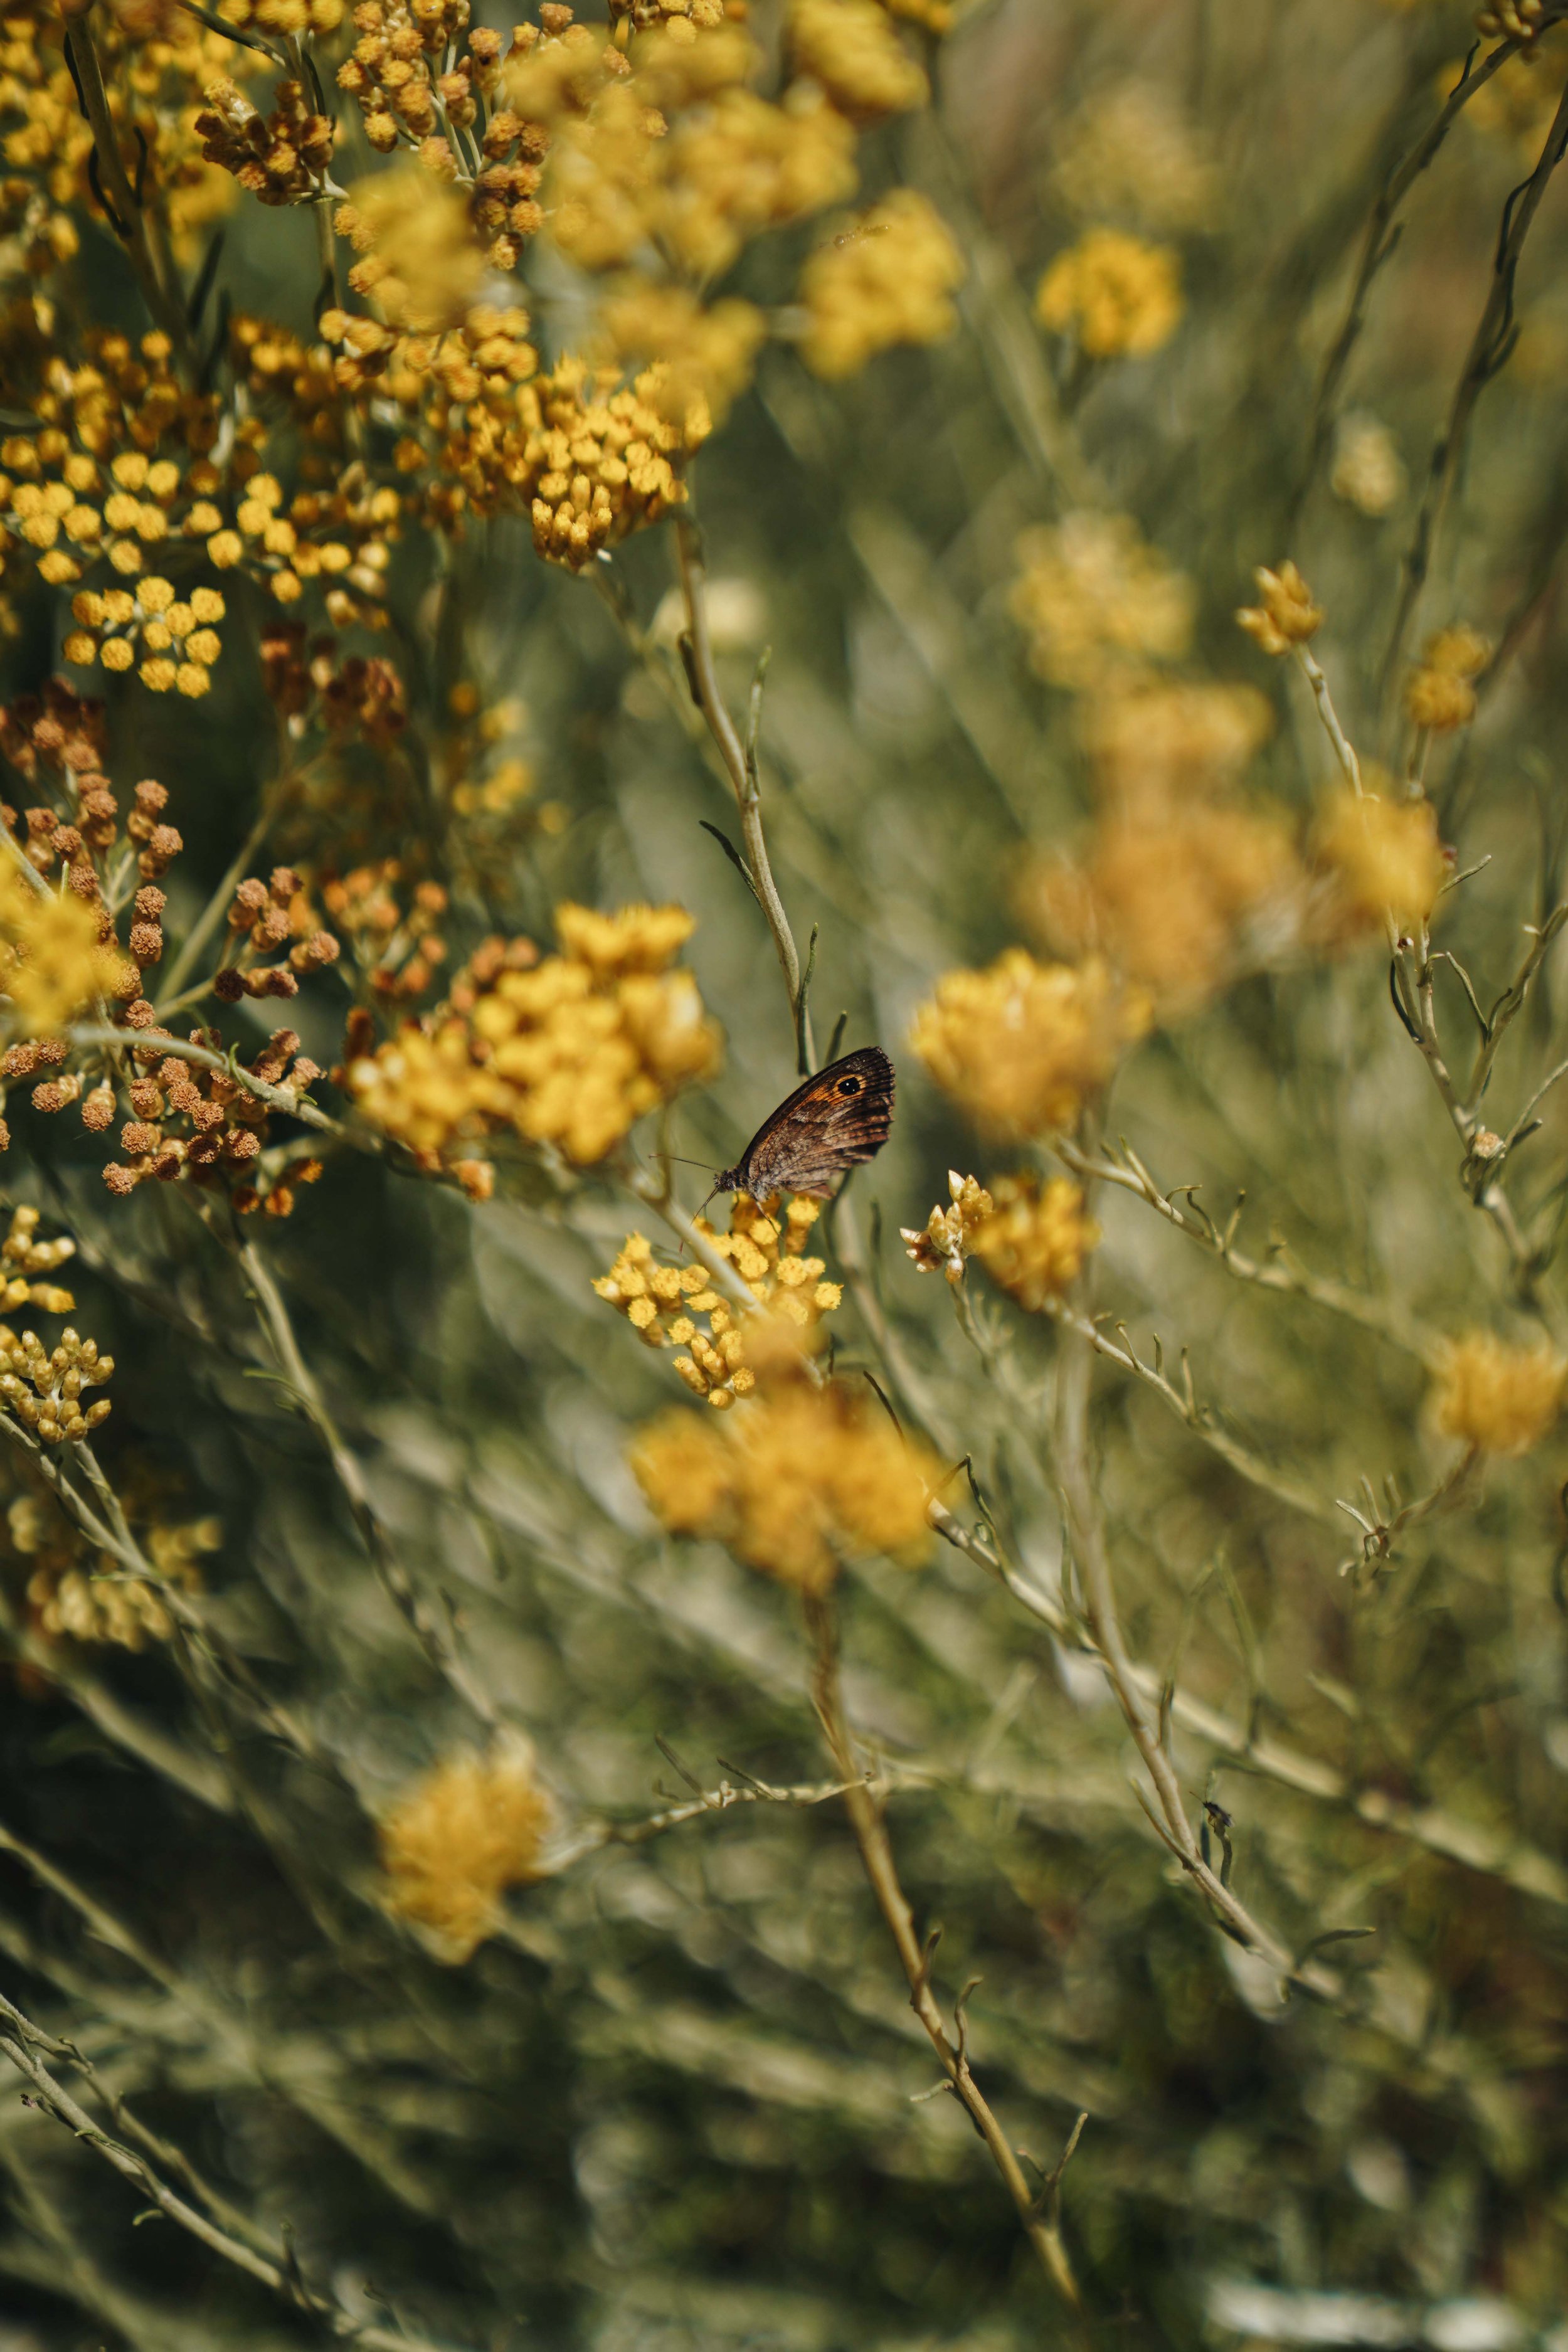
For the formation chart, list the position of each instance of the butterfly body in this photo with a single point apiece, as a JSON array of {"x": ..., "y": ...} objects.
[{"x": 832, "y": 1122}]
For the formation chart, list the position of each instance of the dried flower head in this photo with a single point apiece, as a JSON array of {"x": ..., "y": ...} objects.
[
  {"x": 948, "y": 1236},
  {"x": 1116, "y": 296},
  {"x": 1024, "y": 1045},
  {"x": 1092, "y": 597},
  {"x": 1286, "y": 615},
  {"x": 454, "y": 1843},
  {"x": 1036, "y": 1238},
  {"x": 1384, "y": 856},
  {"x": 888, "y": 279},
  {"x": 800, "y": 1482},
  {"x": 1499, "y": 1397}
]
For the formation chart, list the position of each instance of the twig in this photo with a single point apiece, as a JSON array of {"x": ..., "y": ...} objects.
[
  {"x": 870, "y": 1835},
  {"x": 739, "y": 767},
  {"x": 20, "y": 2044},
  {"x": 1489, "y": 348},
  {"x": 161, "y": 300}
]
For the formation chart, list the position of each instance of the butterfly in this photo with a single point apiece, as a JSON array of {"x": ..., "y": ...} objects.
[{"x": 833, "y": 1121}]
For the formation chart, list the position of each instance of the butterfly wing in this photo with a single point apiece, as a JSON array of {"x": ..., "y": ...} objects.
[{"x": 835, "y": 1120}]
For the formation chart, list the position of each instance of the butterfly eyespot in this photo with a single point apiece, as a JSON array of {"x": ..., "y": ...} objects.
[{"x": 850, "y": 1086}]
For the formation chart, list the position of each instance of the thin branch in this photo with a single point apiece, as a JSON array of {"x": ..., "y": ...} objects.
[
  {"x": 1489, "y": 348},
  {"x": 869, "y": 1829},
  {"x": 20, "y": 2046}
]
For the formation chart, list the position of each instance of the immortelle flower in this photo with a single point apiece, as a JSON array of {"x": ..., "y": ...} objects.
[
  {"x": 1438, "y": 695},
  {"x": 570, "y": 1051},
  {"x": 422, "y": 266},
  {"x": 454, "y": 1843},
  {"x": 1036, "y": 1238},
  {"x": 800, "y": 1482},
  {"x": 889, "y": 278},
  {"x": 1500, "y": 1397},
  {"x": 948, "y": 1236},
  {"x": 721, "y": 1363},
  {"x": 1091, "y": 597},
  {"x": 849, "y": 48},
  {"x": 707, "y": 356},
  {"x": 1286, "y": 615},
  {"x": 1117, "y": 296},
  {"x": 1153, "y": 743},
  {"x": 52, "y": 961},
  {"x": 1128, "y": 152},
  {"x": 1024, "y": 1045},
  {"x": 1385, "y": 855},
  {"x": 1181, "y": 898}
]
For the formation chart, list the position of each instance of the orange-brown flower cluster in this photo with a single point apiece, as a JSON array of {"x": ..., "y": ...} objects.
[
  {"x": 662, "y": 1302},
  {"x": 282, "y": 157},
  {"x": 310, "y": 684},
  {"x": 262, "y": 917},
  {"x": 803, "y": 1480},
  {"x": 567, "y": 1053},
  {"x": 202, "y": 1124},
  {"x": 395, "y": 947}
]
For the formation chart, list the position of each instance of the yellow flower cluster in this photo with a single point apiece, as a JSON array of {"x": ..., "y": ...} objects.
[
  {"x": 802, "y": 1481},
  {"x": 1384, "y": 856},
  {"x": 948, "y": 1234},
  {"x": 599, "y": 464},
  {"x": 567, "y": 1053},
  {"x": 706, "y": 356},
  {"x": 1034, "y": 1244},
  {"x": 888, "y": 279},
  {"x": 850, "y": 49},
  {"x": 1499, "y": 1397},
  {"x": 1287, "y": 617},
  {"x": 23, "y": 1257},
  {"x": 420, "y": 266},
  {"x": 454, "y": 1843},
  {"x": 1150, "y": 742},
  {"x": 1440, "y": 695},
  {"x": 178, "y": 640},
  {"x": 1116, "y": 296},
  {"x": 1180, "y": 895},
  {"x": 69, "y": 1603},
  {"x": 1023, "y": 1045},
  {"x": 52, "y": 958},
  {"x": 282, "y": 158},
  {"x": 43, "y": 1386},
  {"x": 1129, "y": 154},
  {"x": 1092, "y": 598},
  {"x": 660, "y": 1302}
]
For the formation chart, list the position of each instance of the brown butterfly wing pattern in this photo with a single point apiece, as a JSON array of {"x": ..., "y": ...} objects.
[{"x": 833, "y": 1121}]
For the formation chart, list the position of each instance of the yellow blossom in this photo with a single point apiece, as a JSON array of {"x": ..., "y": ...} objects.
[
  {"x": 708, "y": 354},
  {"x": 568, "y": 1052},
  {"x": 948, "y": 1234},
  {"x": 1500, "y": 1397},
  {"x": 1150, "y": 742},
  {"x": 1368, "y": 470},
  {"x": 1128, "y": 154},
  {"x": 800, "y": 1482},
  {"x": 889, "y": 278},
  {"x": 1438, "y": 695},
  {"x": 1286, "y": 615},
  {"x": 1035, "y": 1242},
  {"x": 725, "y": 1353},
  {"x": 1117, "y": 294},
  {"x": 1024, "y": 1045},
  {"x": 52, "y": 963},
  {"x": 1385, "y": 856},
  {"x": 1091, "y": 594},
  {"x": 849, "y": 46},
  {"x": 454, "y": 1843},
  {"x": 422, "y": 266}
]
